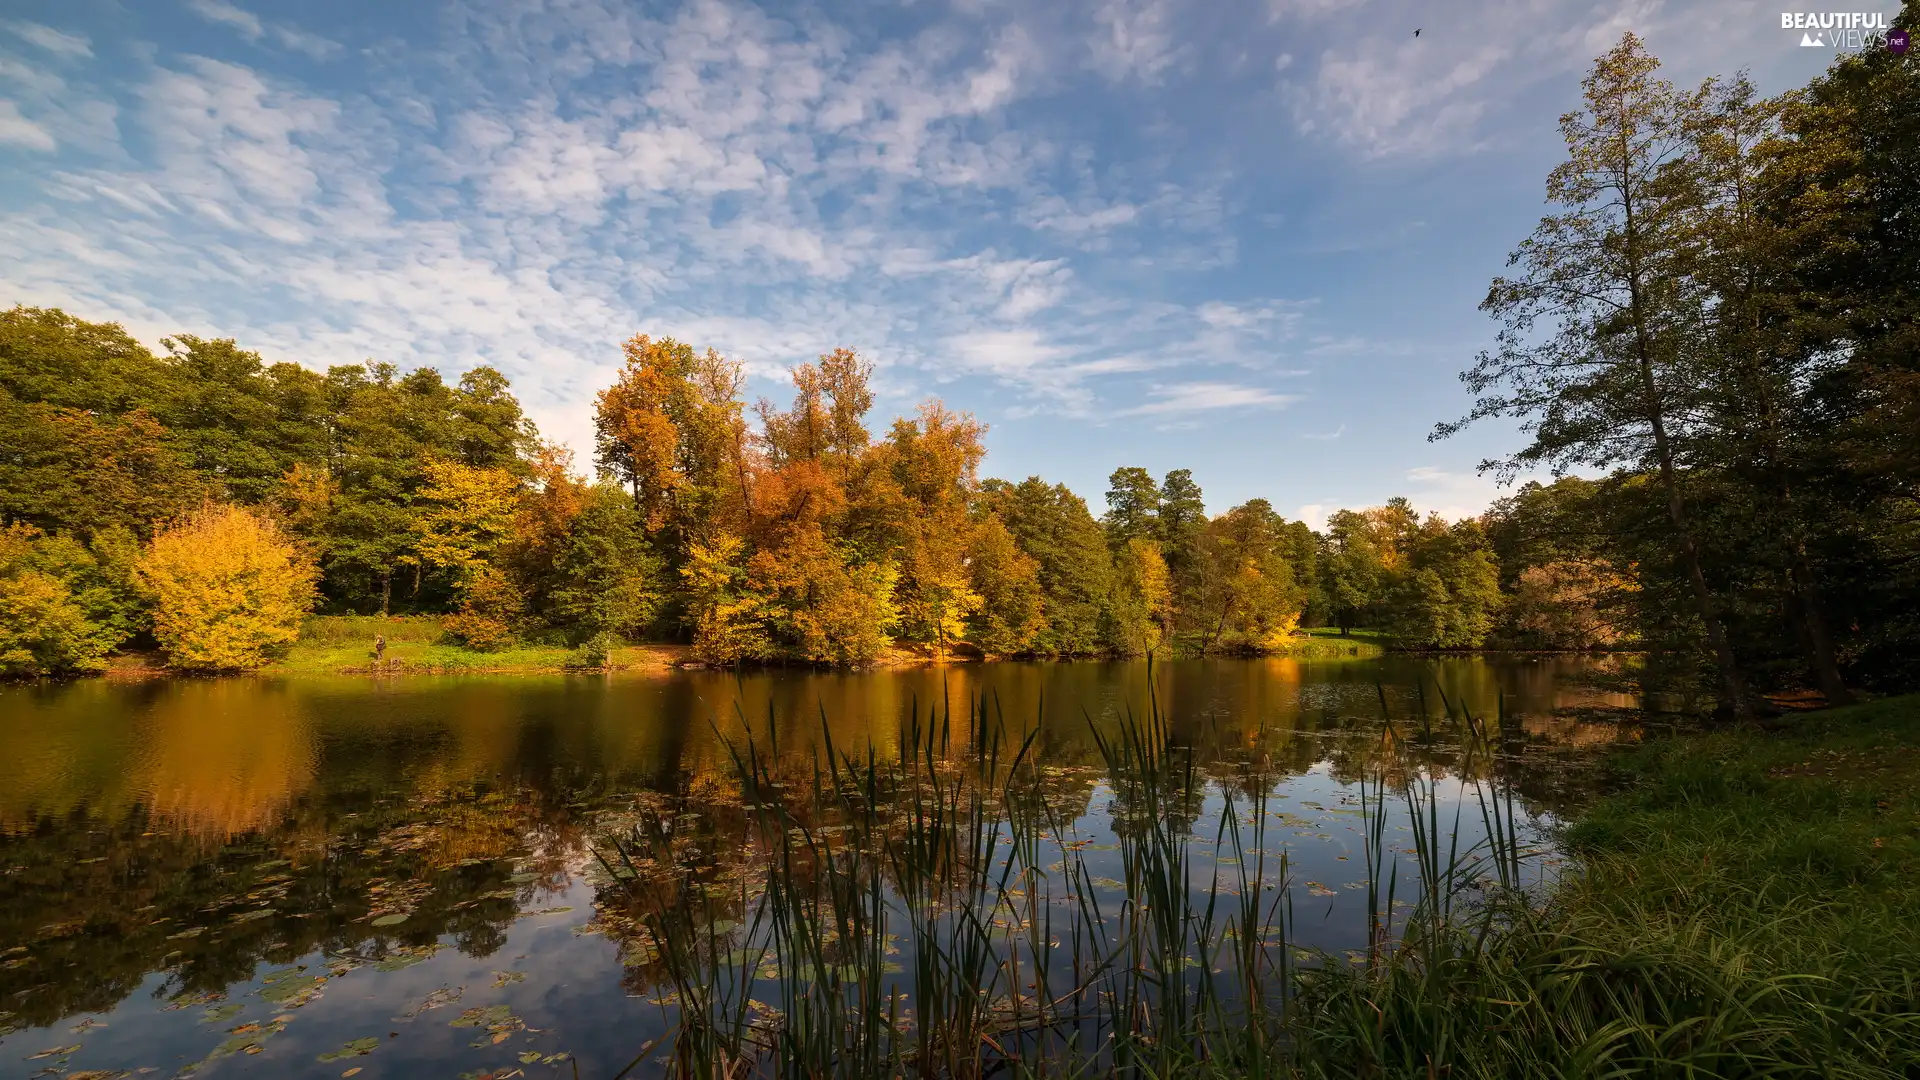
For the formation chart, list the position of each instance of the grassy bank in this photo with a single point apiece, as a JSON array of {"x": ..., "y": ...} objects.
[
  {"x": 1750, "y": 906},
  {"x": 332, "y": 644}
]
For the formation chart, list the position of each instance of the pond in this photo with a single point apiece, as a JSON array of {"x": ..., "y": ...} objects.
[{"x": 421, "y": 876}]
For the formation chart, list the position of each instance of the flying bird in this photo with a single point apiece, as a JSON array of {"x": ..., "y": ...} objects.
[{"x": 1416, "y": 33}]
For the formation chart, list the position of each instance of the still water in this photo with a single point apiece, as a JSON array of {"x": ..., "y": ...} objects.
[{"x": 385, "y": 878}]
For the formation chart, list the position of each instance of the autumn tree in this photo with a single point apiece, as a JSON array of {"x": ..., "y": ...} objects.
[
  {"x": 47, "y": 625},
  {"x": 1140, "y": 608},
  {"x": 1242, "y": 594},
  {"x": 1612, "y": 381},
  {"x": 228, "y": 589},
  {"x": 1007, "y": 580},
  {"x": 671, "y": 430}
]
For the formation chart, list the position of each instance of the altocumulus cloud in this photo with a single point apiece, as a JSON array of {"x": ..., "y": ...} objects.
[{"x": 1022, "y": 207}]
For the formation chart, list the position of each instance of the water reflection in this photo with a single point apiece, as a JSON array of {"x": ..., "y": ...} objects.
[{"x": 202, "y": 866}]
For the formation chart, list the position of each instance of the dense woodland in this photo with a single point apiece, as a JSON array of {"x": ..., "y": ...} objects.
[{"x": 1717, "y": 319}]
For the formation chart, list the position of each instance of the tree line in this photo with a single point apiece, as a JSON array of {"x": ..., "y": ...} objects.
[{"x": 206, "y": 499}]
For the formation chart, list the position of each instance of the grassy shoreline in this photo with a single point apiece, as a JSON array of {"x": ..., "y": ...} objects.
[
  {"x": 1749, "y": 905},
  {"x": 342, "y": 644}
]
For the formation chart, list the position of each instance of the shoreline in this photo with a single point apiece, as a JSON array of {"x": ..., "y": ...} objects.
[{"x": 410, "y": 659}]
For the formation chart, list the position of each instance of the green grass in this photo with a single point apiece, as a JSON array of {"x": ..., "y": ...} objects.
[
  {"x": 330, "y": 644},
  {"x": 1750, "y": 905},
  {"x": 1326, "y": 643}
]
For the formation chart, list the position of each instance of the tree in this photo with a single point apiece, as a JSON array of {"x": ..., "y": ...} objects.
[
  {"x": 1243, "y": 596},
  {"x": 604, "y": 579},
  {"x": 1182, "y": 515},
  {"x": 1449, "y": 594},
  {"x": 463, "y": 515},
  {"x": 1007, "y": 580},
  {"x": 44, "y": 628},
  {"x": 491, "y": 609},
  {"x": 1133, "y": 507},
  {"x": 1571, "y": 604},
  {"x": 1611, "y": 384},
  {"x": 1140, "y": 611},
  {"x": 1053, "y": 526},
  {"x": 69, "y": 471},
  {"x": 726, "y": 615},
  {"x": 1352, "y": 570},
  {"x": 671, "y": 430},
  {"x": 228, "y": 588}
]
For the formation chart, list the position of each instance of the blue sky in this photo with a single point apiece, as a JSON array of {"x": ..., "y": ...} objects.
[{"x": 1245, "y": 237}]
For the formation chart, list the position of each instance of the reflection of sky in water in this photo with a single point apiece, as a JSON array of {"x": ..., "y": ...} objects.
[{"x": 145, "y": 829}]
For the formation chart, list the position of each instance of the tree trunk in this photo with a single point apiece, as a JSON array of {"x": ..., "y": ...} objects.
[
  {"x": 1819, "y": 637},
  {"x": 1733, "y": 685},
  {"x": 386, "y": 591}
]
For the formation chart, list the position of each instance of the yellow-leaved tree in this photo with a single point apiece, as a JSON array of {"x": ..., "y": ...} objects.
[{"x": 228, "y": 587}]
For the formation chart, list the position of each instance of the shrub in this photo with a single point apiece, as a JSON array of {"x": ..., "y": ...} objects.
[
  {"x": 43, "y": 631},
  {"x": 228, "y": 587},
  {"x": 489, "y": 613}
]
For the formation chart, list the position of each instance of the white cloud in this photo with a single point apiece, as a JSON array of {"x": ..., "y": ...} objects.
[
  {"x": 253, "y": 28},
  {"x": 1133, "y": 39},
  {"x": 58, "y": 42},
  {"x": 17, "y": 130},
  {"x": 220, "y": 11},
  {"x": 1206, "y": 397}
]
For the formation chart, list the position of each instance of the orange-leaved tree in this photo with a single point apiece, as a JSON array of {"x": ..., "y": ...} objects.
[{"x": 228, "y": 588}]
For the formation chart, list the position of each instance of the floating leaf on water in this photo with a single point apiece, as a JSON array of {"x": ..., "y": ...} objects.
[
  {"x": 188, "y": 933},
  {"x": 483, "y": 1016},
  {"x": 98, "y": 1074},
  {"x": 505, "y": 978},
  {"x": 390, "y": 920},
  {"x": 54, "y": 1051},
  {"x": 294, "y": 993},
  {"x": 356, "y": 1048},
  {"x": 220, "y": 1014},
  {"x": 352, "y": 1071},
  {"x": 522, "y": 879},
  {"x": 550, "y": 911},
  {"x": 249, "y": 916}
]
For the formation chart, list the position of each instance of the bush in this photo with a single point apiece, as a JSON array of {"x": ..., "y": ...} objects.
[
  {"x": 42, "y": 630},
  {"x": 593, "y": 654},
  {"x": 228, "y": 587},
  {"x": 490, "y": 612}
]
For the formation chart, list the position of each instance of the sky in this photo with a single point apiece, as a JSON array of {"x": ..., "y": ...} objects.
[{"x": 1243, "y": 237}]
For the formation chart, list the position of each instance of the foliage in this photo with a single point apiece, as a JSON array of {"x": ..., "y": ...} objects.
[
  {"x": 465, "y": 514},
  {"x": 45, "y": 628},
  {"x": 228, "y": 587},
  {"x": 491, "y": 610},
  {"x": 726, "y": 616},
  {"x": 1140, "y": 611},
  {"x": 1007, "y": 580},
  {"x": 604, "y": 579},
  {"x": 1569, "y": 604},
  {"x": 1052, "y": 525}
]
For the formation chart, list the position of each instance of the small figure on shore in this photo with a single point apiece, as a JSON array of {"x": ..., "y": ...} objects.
[{"x": 379, "y": 648}]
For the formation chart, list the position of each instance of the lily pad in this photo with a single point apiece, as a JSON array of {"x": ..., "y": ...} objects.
[
  {"x": 390, "y": 920},
  {"x": 356, "y": 1048}
]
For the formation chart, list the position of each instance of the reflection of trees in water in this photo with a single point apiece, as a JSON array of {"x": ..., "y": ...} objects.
[
  {"x": 88, "y": 909},
  {"x": 356, "y": 785}
]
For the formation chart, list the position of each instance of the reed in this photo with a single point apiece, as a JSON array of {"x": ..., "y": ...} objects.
[{"x": 934, "y": 914}]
